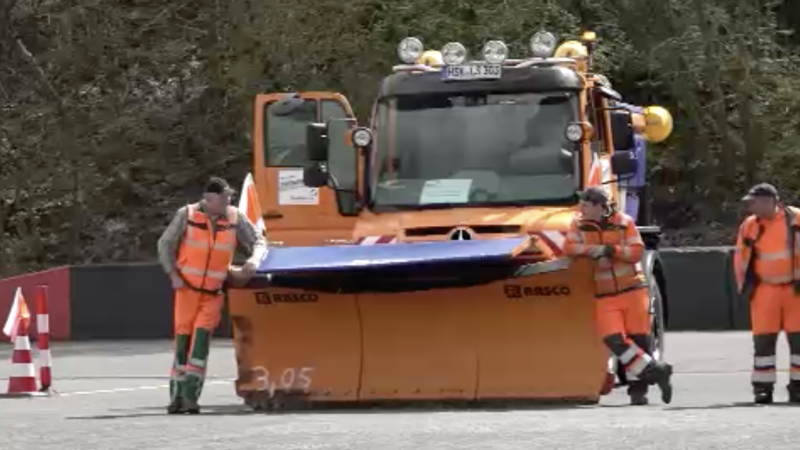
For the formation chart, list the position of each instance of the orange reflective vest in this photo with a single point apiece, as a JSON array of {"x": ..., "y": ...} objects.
[
  {"x": 621, "y": 272},
  {"x": 771, "y": 246},
  {"x": 207, "y": 248}
]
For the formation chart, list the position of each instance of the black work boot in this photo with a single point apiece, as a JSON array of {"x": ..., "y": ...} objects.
[
  {"x": 661, "y": 374},
  {"x": 638, "y": 392},
  {"x": 794, "y": 391},
  {"x": 175, "y": 407},
  {"x": 191, "y": 406},
  {"x": 762, "y": 394}
]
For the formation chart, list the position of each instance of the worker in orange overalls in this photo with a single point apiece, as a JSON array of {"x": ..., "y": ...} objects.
[
  {"x": 767, "y": 266},
  {"x": 196, "y": 250},
  {"x": 612, "y": 240}
]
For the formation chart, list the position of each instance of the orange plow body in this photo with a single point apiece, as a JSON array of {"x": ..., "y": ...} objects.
[{"x": 528, "y": 337}]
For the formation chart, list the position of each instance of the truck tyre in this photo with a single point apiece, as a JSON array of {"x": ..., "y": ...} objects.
[{"x": 657, "y": 325}]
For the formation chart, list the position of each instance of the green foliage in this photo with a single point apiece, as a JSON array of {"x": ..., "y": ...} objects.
[{"x": 112, "y": 114}]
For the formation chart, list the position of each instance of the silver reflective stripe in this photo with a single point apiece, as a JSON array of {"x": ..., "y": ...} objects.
[
  {"x": 210, "y": 274},
  {"x": 778, "y": 279},
  {"x": 639, "y": 364},
  {"x": 191, "y": 271},
  {"x": 795, "y": 359},
  {"x": 579, "y": 248},
  {"x": 196, "y": 243},
  {"x": 766, "y": 362},
  {"x": 195, "y": 375},
  {"x": 573, "y": 236},
  {"x": 628, "y": 355},
  {"x": 197, "y": 362},
  {"x": 223, "y": 246},
  {"x": 619, "y": 270},
  {"x": 217, "y": 274},
  {"x": 764, "y": 376},
  {"x": 773, "y": 256}
]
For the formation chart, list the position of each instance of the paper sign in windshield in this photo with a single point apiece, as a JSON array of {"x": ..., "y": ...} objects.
[
  {"x": 445, "y": 191},
  {"x": 292, "y": 190}
]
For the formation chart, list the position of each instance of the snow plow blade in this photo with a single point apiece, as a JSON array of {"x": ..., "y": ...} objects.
[{"x": 437, "y": 321}]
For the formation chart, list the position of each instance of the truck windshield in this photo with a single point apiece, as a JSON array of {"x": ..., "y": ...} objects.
[{"x": 486, "y": 150}]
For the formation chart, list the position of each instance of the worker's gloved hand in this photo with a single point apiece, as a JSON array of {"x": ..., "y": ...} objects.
[
  {"x": 177, "y": 281},
  {"x": 597, "y": 251},
  {"x": 249, "y": 269},
  {"x": 609, "y": 250}
]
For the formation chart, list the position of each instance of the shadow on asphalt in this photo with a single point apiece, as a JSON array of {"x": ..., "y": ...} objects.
[
  {"x": 731, "y": 406},
  {"x": 243, "y": 410}
]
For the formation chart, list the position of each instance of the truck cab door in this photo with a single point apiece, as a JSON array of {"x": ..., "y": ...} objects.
[{"x": 296, "y": 215}]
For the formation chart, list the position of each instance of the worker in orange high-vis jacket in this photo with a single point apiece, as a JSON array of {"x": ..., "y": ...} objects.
[
  {"x": 767, "y": 266},
  {"x": 197, "y": 250},
  {"x": 612, "y": 240}
]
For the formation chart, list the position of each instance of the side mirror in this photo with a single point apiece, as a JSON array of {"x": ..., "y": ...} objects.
[
  {"x": 317, "y": 142},
  {"x": 621, "y": 130},
  {"x": 624, "y": 163},
  {"x": 315, "y": 176}
]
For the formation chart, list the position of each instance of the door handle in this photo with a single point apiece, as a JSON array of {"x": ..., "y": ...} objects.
[{"x": 272, "y": 215}]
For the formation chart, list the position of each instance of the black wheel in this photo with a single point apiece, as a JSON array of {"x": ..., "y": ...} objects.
[{"x": 657, "y": 321}]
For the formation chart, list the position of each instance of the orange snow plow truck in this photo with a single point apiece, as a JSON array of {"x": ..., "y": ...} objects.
[{"x": 457, "y": 199}]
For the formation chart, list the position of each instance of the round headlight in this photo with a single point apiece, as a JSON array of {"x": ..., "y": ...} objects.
[
  {"x": 454, "y": 53},
  {"x": 574, "y": 132},
  {"x": 543, "y": 43},
  {"x": 362, "y": 137},
  {"x": 495, "y": 52},
  {"x": 410, "y": 49}
]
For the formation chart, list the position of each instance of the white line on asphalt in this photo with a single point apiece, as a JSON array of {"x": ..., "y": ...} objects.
[{"x": 133, "y": 389}]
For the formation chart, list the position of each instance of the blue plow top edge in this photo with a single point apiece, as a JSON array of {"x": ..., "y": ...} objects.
[{"x": 287, "y": 260}]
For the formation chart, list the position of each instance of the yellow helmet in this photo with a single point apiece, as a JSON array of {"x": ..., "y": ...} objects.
[{"x": 431, "y": 58}]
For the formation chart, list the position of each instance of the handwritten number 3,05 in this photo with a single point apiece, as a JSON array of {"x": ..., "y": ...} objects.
[{"x": 291, "y": 379}]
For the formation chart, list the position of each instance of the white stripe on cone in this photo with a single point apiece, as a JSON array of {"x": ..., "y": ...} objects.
[
  {"x": 22, "y": 343},
  {"x": 43, "y": 323},
  {"x": 23, "y": 371}
]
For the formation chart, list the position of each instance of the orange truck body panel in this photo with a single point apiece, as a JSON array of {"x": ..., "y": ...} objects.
[
  {"x": 445, "y": 344},
  {"x": 296, "y": 225}
]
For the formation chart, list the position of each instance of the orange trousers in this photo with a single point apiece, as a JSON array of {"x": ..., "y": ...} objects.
[
  {"x": 196, "y": 310},
  {"x": 623, "y": 321},
  {"x": 774, "y": 308},
  {"x": 196, "y": 316},
  {"x": 626, "y": 313}
]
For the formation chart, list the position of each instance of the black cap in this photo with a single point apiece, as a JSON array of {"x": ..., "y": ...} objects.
[
  {"x": 764, "y": 190},
  {"x": 217, "y": 185},
  {"x": 594, "y": 194}
]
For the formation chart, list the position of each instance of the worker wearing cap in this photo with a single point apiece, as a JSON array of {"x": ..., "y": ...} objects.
[
  {"x": 612, "y": 240},
  {"x": 767, "y": 266},
  {"x": 196, "y": 250}
]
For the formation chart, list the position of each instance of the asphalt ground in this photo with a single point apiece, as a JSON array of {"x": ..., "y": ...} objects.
[{"x": 111, "y": 395}]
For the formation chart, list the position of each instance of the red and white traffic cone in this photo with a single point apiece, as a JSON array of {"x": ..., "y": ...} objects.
[
  {"x": 22, "y": 381},
  {"x": 43, "y": 339}
]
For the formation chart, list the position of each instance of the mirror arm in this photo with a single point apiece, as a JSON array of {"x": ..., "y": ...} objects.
[{"x": 618, "y": 179}]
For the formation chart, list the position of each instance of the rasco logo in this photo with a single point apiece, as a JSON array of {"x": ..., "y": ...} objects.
[
  {"x": 269, "y": 298},
  {"x": 517, "y": 291}
]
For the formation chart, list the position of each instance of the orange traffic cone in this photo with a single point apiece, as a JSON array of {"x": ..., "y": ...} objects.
[{"x": 22, "y": 381}]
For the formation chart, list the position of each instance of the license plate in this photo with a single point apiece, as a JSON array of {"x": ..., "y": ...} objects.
[{"x": 472, "y": 72}]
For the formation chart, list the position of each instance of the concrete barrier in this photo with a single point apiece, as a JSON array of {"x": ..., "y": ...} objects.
[
  {"x": 59, "y": 307},
  {"x": 700, "y": 288},
  {"x": 104, "y": 301}
]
